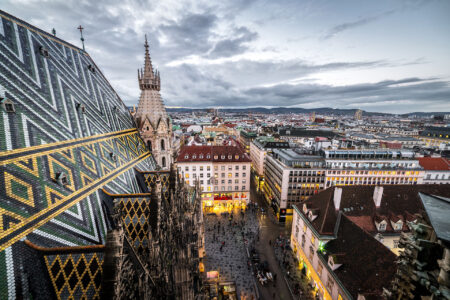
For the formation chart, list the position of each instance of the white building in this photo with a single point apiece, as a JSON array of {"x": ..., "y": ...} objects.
[
  {"x": 437, "y": 170},
  {"x": 223, "y": 173}
]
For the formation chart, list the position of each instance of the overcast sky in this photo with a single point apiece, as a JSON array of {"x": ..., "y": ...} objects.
[{"x": 388, "y": 56}]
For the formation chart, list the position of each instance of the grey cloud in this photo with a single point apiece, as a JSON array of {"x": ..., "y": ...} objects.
[
  {"x": 235, "y": 45},
  {"x": 350, "y": 25}
]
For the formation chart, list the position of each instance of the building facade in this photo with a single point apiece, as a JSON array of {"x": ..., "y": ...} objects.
[
  {"x": 152, "y": 120},
  {"x": 437, "y": 170},
  {"x": 223, "y": 173},
  {"x": 259, "y": 148},
  {"x": 371, "y": 167},
  {"x": 291, "y": 177}
]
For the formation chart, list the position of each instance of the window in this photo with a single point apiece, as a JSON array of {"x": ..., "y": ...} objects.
[
  {"x": 201, "y": 175},
  {"x": 244, "y": 167},
  {"x": 208, "y": 168},
  {"x": 223, "y": 181},
  {"x": 236, "y": 181},
  {"x": 194, "y": 168},
  {"x": 319, "y": 269},
  {"x": 396, "y": 243},
  {"x": 223, "y": 175},
  {"x": 8, "y": 105},
  {"x": 244, "y": 181},
  {"x": 163, "y": 162},
  {"x": 236, "y": 188},
  {"x": 312, "y": 240},
  {"x": 186, "y": 168},
  {"x": 163, "y": 146},
  {"x": 236, "y": 175},
  {"x": 201, "y": 181},
  {"x": 216, "y": 168},
  {"x": 187, "y": 175},
  {"x": 216, "y": 188},
  {"x": 230, "y": 175},
  {"x": 195, "y": 175},
  {"x": 230, "y": 181},
  {"x": 243, "y": 174},
  {"x": 230, "y": 168},
  {"x": 208, "y": 175},
  {"x": 222, "y": 168},
  {"x": 61, "y": 178},
  {"x": 330, "y": 283},
  {"x": 382, "y": 226},
  {"x": 243, "y": 187},
  {"x": 223, "y": 188},
  {"x": 201, "y": 167},
  {"x": 237, "y": 167},
  {"x": 230, "y": 188}
]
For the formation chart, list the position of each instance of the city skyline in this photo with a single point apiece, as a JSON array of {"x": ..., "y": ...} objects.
[{"x": 384, "y": 57}]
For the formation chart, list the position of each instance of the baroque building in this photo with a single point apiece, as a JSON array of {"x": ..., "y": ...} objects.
[
  {"x": 151, "y": 117},
  {"x": 84, "y": 210}
]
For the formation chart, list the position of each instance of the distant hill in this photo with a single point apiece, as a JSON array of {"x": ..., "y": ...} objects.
[{"x": 299, "y": 110}]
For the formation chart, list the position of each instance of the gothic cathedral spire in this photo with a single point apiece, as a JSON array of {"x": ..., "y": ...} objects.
[{"x": 151, "y": 117}]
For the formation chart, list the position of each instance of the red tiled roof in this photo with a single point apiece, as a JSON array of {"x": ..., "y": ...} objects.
[
  {"x": 435, "y": 163},
  {"x": 212, "y": 153}
]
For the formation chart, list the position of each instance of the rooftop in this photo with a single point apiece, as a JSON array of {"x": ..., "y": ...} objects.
[
  {"x": 397, "y": 202},
  {"x": 435, "y": 163},
  {"x": 212, "y": 153}
]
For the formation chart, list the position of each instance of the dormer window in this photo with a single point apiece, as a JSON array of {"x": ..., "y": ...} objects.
[
  {"x": 44, "y": 51},
  {"x": 236, "y": 157},
  {"x": 222, "y": 157},
  {"x": 230, "y": 157},
  {"x": 113, "y": 156},
  {"x": 201, "y": 156},
  {"x": 61, "y": 178},
  {"x": 8, "y": 106},
  {"x": 186, "y": 156},
  {"x": 91, "y": 68},
  {"x": 398, "y": 225},
  {"x": 194, "y": 156},
  {"x": 81, "y": 108},
  {"x": 208, "y": 156},
  {"x": 382, "y": 226}
]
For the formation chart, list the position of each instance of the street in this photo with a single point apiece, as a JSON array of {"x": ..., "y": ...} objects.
[
  {"x": 230, "y": 234},
  {"x": 269, "y": 231}
]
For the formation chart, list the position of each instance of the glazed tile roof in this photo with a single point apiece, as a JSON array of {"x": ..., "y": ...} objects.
[{"x": 212, "y": 154}]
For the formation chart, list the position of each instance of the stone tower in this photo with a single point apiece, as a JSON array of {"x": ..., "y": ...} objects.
[{"x": 151, "y": 117}]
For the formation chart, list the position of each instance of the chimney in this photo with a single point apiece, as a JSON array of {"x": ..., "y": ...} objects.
[
  {"x": 337, "y": 197},
  {"x": 377, "y": 195}
]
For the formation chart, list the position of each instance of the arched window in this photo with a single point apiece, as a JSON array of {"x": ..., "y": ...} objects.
[
  {"x": 163, "y": 162},
  {"x": 149, "y": 145},
  {"x": 163, "y": 145}
]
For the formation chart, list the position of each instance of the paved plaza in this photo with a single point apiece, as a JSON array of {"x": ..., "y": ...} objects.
[{"x": 225, "y": 247}]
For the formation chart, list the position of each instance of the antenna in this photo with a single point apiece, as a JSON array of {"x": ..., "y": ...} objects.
[{"x": 82, "y": 38}]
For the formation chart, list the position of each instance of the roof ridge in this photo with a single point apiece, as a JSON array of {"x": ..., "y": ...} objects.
[
  {"x": 326, "y": 210},
  {"x": 38, "y": 30}
]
